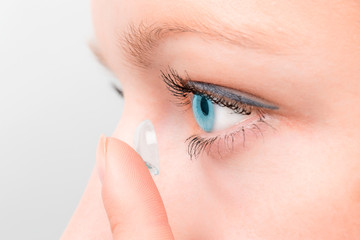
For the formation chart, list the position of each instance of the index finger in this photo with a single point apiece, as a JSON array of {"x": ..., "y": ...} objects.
[{"x": 131, "y": 199}]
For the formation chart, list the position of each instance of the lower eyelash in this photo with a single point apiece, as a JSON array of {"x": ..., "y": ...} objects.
[{"x": 197, "y": 144}]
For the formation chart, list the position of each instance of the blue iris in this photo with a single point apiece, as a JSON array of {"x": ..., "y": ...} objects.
[{"x": 203, "y": 110}]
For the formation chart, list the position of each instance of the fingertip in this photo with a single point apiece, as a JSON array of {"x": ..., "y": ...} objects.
[
  {"x": 125, "y": 171},
  {"x": 120, "y": 153}
]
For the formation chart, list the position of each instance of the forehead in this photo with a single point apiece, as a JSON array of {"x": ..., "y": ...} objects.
[
  {"x": 309, "y": 27},
  {"x": 304, "y": 20},
  {"x": 279, "y": 12}
]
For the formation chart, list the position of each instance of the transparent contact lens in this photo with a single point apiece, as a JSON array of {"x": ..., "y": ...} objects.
[{"x": 145, "y": 145}]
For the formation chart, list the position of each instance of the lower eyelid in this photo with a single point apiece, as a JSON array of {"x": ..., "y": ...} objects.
[{"x": 238, "y": 138}]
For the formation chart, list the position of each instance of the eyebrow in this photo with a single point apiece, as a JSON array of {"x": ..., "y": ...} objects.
[{"x": 139, "y": 41}]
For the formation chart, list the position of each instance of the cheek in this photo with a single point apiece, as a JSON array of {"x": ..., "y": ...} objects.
[{"x": 287, "y": 188}]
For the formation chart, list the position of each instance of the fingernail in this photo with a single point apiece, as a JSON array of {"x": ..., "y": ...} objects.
[
  {"x": 100, "y": 156},
  {"x": 145, "y": 145}
]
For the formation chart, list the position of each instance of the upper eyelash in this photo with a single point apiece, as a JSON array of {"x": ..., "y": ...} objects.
[
  {"x": 197, "y": 144},
  {"x": 177, "y": 86}
]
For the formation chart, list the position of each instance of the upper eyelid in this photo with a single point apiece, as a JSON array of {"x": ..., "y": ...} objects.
[
  {"x": 231, "y": 94},
  {"x": 173, "y": 79}
]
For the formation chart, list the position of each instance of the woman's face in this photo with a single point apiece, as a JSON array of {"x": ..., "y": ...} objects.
[{"x": 290, "y": 172}]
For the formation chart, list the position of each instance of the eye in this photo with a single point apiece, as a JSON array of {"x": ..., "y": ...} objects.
[{"x": 216, "y": 108}]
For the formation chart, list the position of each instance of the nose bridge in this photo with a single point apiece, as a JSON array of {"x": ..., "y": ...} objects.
[{"x": 135, "y": 111}]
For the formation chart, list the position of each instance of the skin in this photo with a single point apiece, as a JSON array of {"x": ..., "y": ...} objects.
[{"x": 299, "y": 180}]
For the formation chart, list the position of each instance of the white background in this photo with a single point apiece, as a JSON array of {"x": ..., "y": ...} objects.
[{"x": 55, "y": 101}]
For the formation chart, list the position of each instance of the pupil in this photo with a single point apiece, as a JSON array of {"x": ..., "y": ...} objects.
[{"x": 204, "y": 106}]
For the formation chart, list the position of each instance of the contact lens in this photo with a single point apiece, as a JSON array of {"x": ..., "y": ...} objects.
[
  {"x": 203, "y": 110},
  {"x": 145, "y": 145}
]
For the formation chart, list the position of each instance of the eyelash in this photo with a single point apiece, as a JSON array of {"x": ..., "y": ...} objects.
[{"x": 197, "y": 144}]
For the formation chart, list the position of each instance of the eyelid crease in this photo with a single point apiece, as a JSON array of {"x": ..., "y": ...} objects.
[{"x": 230, "y": 94}]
